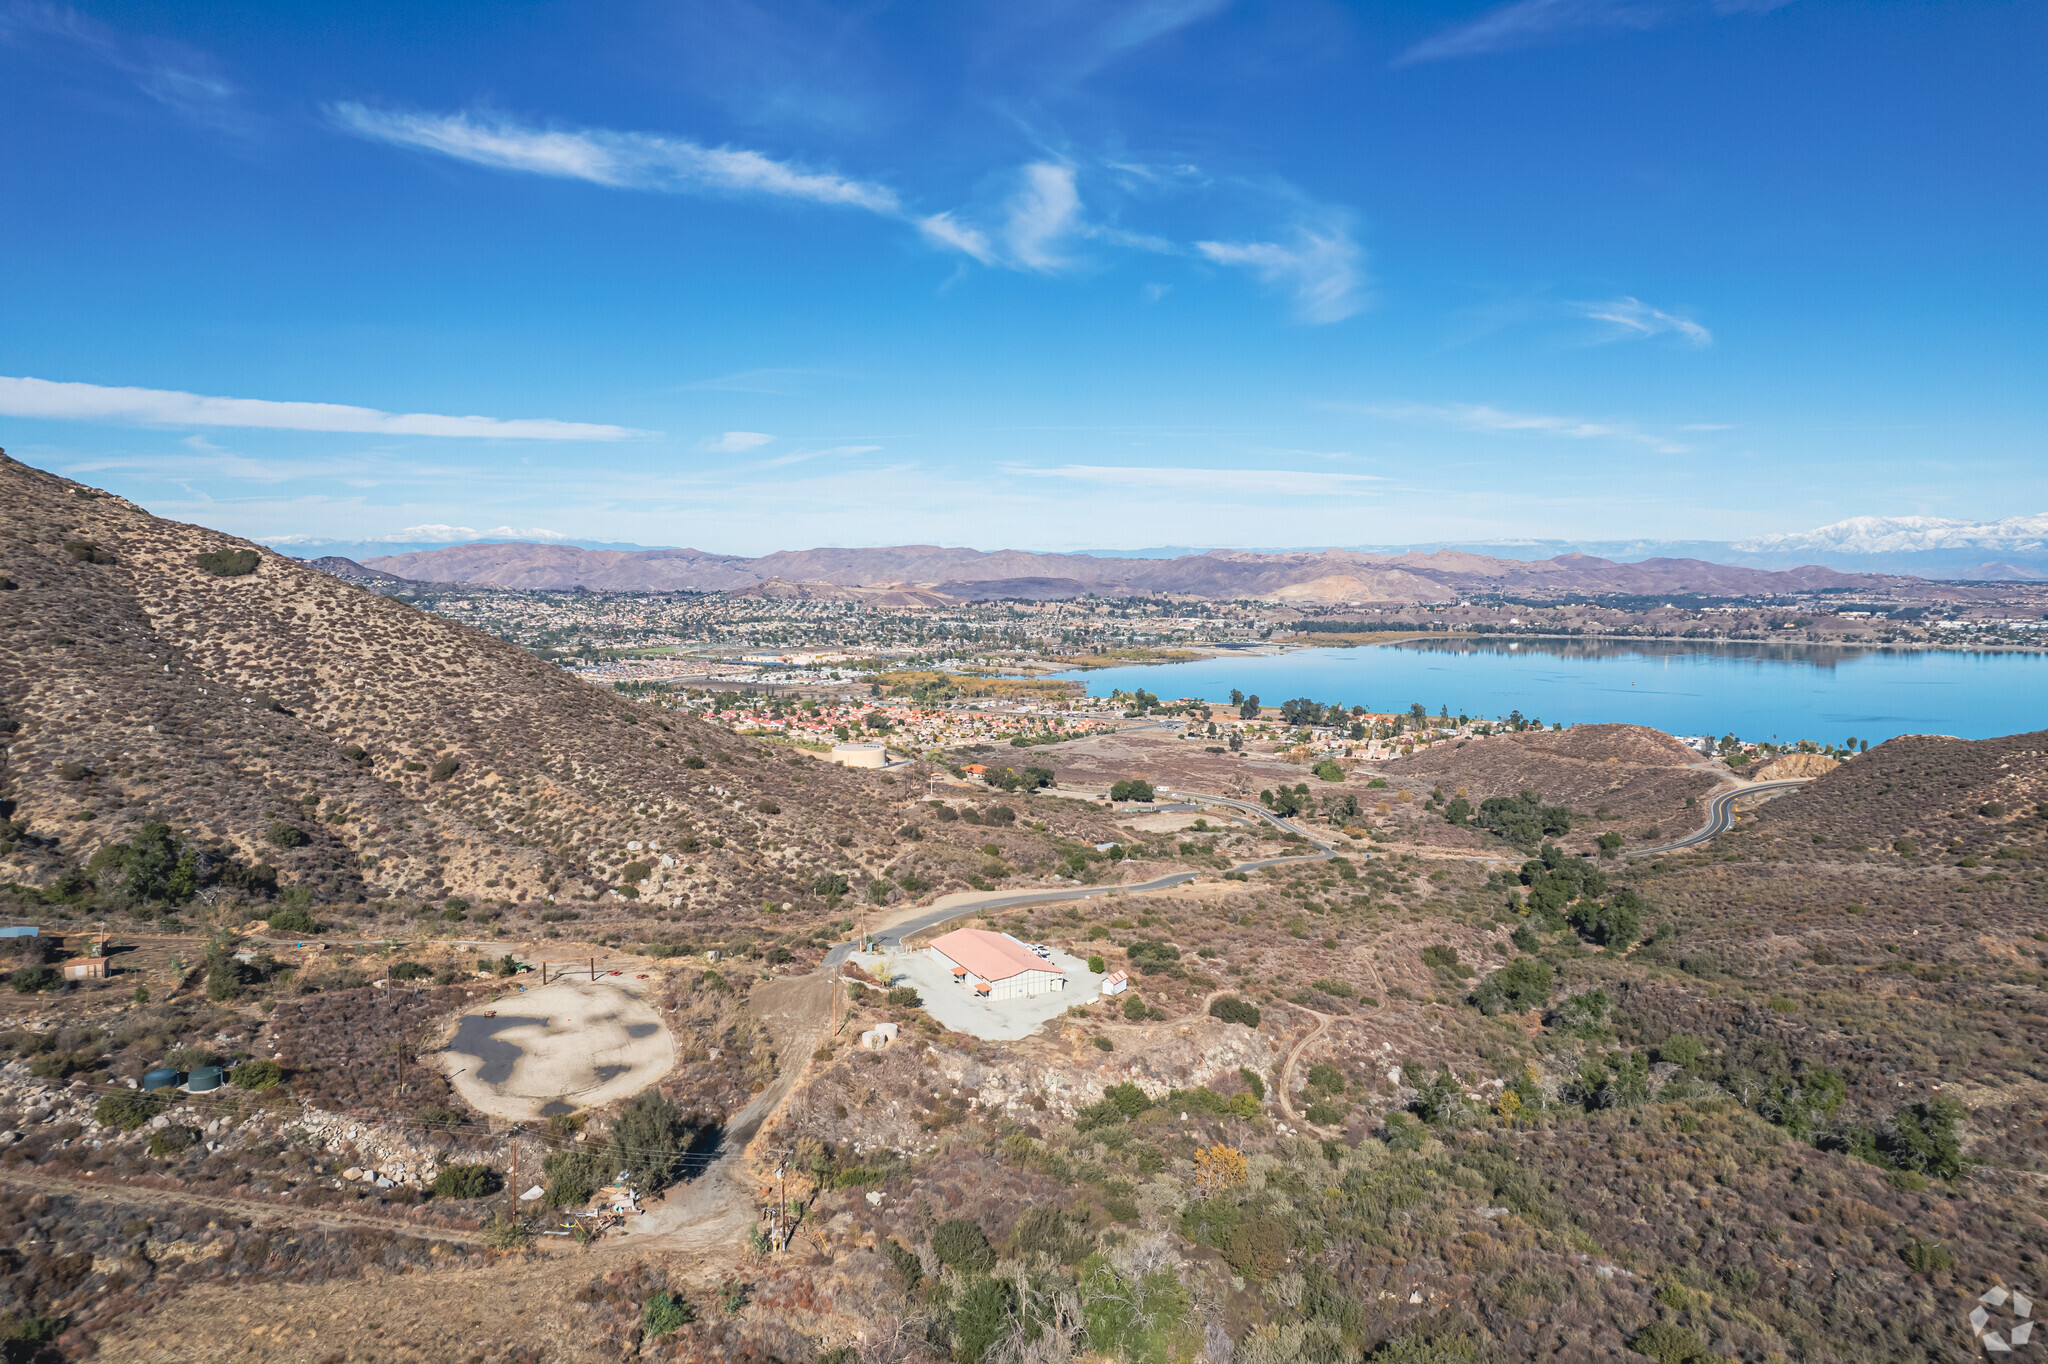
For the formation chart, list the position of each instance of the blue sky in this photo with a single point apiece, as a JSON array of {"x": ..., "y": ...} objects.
[{"x": 1061, "y": 275}]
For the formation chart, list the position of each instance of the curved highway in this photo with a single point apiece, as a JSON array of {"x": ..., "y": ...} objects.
[{"x": 1722, "y": 810}]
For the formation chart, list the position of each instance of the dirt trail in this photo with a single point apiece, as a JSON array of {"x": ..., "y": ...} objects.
[
  {"x": 718, "y": 1208},
  {"x": 256, "y": 1210},
  {"x": 698, "y": 1231}
]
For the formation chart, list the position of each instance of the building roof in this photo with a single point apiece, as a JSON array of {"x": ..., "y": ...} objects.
[{"x": 992, "y": 956}]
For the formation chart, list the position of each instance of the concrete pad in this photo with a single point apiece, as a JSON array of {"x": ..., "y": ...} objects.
[
  {"x": 1166, "y": 822},
  {"x": 995, "y": 1020},
  {"x": 573, "y": 1044}
]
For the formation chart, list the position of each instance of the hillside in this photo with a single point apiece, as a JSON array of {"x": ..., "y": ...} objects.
[
  {"x": 1623, "y": 779},
  {"x": 965, "y": 574},
  {"x": 367, "y": 752}
]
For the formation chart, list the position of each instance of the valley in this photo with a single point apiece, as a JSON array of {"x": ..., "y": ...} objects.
[{"x": 1443, "y": 1038}]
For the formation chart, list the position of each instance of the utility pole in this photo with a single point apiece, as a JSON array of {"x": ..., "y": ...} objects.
[
  {"x": 781, "y": 1209},
  {"x": 512, "y": 1188}
]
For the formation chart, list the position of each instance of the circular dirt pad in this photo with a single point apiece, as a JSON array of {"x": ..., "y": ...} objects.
[{"x": 574, "y": 1044}]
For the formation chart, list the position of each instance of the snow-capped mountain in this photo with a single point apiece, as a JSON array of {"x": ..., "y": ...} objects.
[
  {"x": 1909, "y": 535},
  {"x": 2012, "y": 549}
]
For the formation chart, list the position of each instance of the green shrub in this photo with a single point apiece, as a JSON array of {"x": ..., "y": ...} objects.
[
  {"x": 86, "y": 552},
  {"x": 1253, "y": 1081},
  {"x": 256, "y": 1075},
  {"x": 1234, "y": 1010},
  {"x": 1522, "y": 984},
  {"x": 1134, "y": 1008},
  {"x": 1097, "y": 964},
  {"x": 905, "y": 1263},
  {"x": 30, "y": 979},
  {"x": 1669, "y": 1344},
  {"x": 466, "y": 1181},
  {"x": 409, "y": 970},
  {"x": 287, "y": 835},
  {"x": 228, "y": 563},
  {"x": 1323, "y": 1113},
  {"x": 663, "y": 1315},
  {"x": 651, "y": 1137},
  {"x": 293, "y": 919},
  {"x": 982, "y": 1317},
  {"x": 1257, "y": 1249},
  {"x": 1104, "y": 1044},
  {"x": 443, "y": 770},
  {"x": 127, "y": 1109},
  {"x": 1926, "y": 1257},
  {"x": 58, "y": 1065},
  {"x": 829, "y": 885},
  {"x": 170, "y": 1140},
  {"x": 961, "y": 1243},
  {"x": 1326, "y": 1077},
  {"x": 905, "y": 997}
]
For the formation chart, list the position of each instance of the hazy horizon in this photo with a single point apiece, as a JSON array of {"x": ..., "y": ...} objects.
[{"x": 1060, "y": 278}]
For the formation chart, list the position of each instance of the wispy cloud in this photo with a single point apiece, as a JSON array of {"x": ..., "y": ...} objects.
[
  {"x": 780, "y": 381},
  {"x": 53, "y": 401},
  {"x": 1273, "y": 482},
  {"x": 1044, "y": 209},
  {"x": 620, "y": 160},
  {"x": 1479, "y": 417},
  {"x": 804, "y": 456},
  {"x": 1632, "y": 319},
  {"x": 1035, "y": 228},
  {"x": 1525, "y": 23},
  {"x": 734, "y": 442},
  {"x": 1320, "y": 267},
  {"x": 429, "y": 534},
  {"x": 183, "y": 79}
]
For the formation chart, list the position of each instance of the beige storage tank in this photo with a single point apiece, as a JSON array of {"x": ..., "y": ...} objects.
[{"x": 860, "y": 755}]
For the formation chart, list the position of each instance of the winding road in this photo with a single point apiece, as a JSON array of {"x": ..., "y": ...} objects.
[
  {"x": 892, "y": 935},
  {"x": 1723, "y": 808}
]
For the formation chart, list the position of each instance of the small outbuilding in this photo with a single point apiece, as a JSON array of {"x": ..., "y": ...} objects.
[
  {"x": 1116, "y": 982},
  {"x": 995, "y": 965}
]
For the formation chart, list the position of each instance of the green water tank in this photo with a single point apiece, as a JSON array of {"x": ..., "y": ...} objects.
[
  {"x": 161, "y": 1078},
  {"x": 203, "y": 1079}
]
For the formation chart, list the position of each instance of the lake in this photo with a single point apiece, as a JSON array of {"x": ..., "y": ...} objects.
[{"x": 1783, "y": 692}]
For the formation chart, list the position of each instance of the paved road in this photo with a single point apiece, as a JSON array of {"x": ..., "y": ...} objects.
[
  {"x": 893, "y": 936},
  {"x": 1722, "y": 809}
]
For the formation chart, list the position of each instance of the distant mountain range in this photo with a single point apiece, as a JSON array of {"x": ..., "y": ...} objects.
[
  {"x": 2014, "y": 549},
  {"x": 1322, "y": 576}
]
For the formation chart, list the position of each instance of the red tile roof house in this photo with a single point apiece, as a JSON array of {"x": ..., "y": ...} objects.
[{"x": 995, "y": 965}]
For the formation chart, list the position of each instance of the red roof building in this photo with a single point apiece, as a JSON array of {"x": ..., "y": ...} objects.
[{"x": 996, "y": 965}]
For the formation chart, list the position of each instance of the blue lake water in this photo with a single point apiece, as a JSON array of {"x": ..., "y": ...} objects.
[{"x": 1757, "y": 692}]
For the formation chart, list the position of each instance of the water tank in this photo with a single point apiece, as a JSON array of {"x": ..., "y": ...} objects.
[
  {"x": 161, "y": 1078},
  {"x": 203, "y": 1079},
  {"x": 860, "y": 755}
]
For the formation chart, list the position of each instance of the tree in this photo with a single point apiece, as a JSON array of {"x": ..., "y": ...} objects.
[
  {"x": 1133, "y": 789},
  {"x": 982, "y": 1317},
  {"x": 1248, "y": 709},
  {"x": 961, "y": 1243},
  {"x": 1220, "y": 1167},
  {"x": 1522, "y": 984},
  {"x": 650, "y": 1138}
]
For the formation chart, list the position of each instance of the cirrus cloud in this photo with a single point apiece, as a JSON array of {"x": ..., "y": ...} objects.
[{"x": 50, "y": 400}]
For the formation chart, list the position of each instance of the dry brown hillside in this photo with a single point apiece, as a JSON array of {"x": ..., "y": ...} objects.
[
  {"x": 402, "y": 754},
  {"x": 1641, "y": 778}
]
